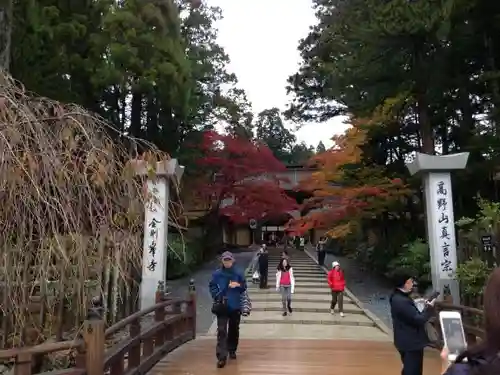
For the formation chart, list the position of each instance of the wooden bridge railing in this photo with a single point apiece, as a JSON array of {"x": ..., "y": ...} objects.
[
  {"x": 473, "y": 320},
  {"x": 133, "y": 351}
]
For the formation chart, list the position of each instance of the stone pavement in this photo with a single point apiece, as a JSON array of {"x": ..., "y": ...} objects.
[{"x": 311, "y": 318}]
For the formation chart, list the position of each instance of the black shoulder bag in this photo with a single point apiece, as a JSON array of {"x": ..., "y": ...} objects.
[{"x": 219, "y": 306}]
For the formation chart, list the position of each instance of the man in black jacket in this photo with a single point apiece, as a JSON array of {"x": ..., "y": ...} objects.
[{"x": 410, "y": 337}]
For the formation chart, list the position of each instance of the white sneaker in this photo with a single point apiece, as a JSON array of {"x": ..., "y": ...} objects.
[
  {"x": 332, "y": 312},
  {"x": 342, "y": 315}
]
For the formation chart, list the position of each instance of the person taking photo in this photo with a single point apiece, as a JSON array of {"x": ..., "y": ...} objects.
[
  {"x": 483, "y": 358},
  {"x": 410, "y": 336}
]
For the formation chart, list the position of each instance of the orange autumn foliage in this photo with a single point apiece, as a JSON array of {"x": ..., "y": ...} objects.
[{"x": 344, "y": 189}]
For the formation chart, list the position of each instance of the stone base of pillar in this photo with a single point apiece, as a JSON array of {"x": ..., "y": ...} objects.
[{"x": 148, "y": 292}]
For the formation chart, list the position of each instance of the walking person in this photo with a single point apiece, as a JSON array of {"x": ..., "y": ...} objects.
[
  {"x": 285, "y": 283},
  {"x": 320, "y": 249},
  {"x": 226, "y": 287},
  {"x": 336, "y": 281},
  {"x": 410, "y": 337},
  {"x": 483, "y": 358},
  {"x": 263, "y": 262}
]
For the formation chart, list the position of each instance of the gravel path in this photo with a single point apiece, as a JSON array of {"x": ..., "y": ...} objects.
[
  {"x": 372, "y": 290},
  {"x": 179, "y": 288}
]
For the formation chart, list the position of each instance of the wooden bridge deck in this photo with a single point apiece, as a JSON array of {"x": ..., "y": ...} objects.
[
  {"x": 310, "y": 341},
  {"x": 292, "y": 357}
]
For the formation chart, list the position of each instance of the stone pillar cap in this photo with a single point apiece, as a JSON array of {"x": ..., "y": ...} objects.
[
  {"x": 166, "y": 168},
  {"x": 437, "y": 163}
]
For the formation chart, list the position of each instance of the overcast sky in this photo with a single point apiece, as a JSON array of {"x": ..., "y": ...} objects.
[{"x": 261, "y": 38}]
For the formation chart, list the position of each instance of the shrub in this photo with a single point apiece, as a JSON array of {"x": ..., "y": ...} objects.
[
  {"x": 472, "y": 276},
  {"x": 184, "y": 254},
  {"x": 413, "y": 260}
]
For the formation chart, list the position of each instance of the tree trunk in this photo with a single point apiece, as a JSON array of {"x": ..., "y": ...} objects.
[
  {"x": 136, "y": 114},
  {"x": 5, "y": 33},
  {"x": 212, "y": 236}
]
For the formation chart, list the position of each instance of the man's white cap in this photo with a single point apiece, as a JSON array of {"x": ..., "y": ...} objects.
[{"x": 335, "y": 264}]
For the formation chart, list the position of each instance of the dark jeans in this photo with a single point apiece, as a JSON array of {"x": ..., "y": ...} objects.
[
  {"x": 321, "y": 257},
  {"x": 263, "y": 277},
  {"x": 337, "y": 297},
  {"x": 228, "y": 334},
  {"x": 413, "y": 362}
]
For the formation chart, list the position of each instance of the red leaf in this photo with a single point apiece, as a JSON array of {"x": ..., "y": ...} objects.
[{"x": 242, "y": 178}]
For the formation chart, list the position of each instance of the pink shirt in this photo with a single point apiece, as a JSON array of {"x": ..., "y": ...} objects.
[{"x": 285, "y": 278}]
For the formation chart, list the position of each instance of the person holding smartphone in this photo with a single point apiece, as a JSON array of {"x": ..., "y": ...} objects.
[
  {"x": 226, "y": 286},
  {"x": 483, "y": 358},
  {"x": 410, "y": 337}
]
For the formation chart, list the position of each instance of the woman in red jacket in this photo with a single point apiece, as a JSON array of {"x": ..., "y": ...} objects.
[{"x": 336, "y": 281}]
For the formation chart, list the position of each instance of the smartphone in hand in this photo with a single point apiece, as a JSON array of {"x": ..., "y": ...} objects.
[
  {"x": 453, "y": 333},
  {"x": 433, "y": 296}
]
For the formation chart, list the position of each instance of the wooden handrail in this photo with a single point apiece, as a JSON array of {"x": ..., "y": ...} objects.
[
  {"x": 461, "y": 308},
  {"x": 139, "y": 314},
  {"x": 45, "y": 348},
  {"x": 134, "y": 355}
]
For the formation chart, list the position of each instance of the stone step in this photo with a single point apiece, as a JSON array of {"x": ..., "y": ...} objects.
[
  {"x": 264, "y": 317},
  {"x": 298, "y": 283},
  {"x": 296, "y": 273},
  {"x": 273, "y": 298},
  {"x": 311, "y": 331},
  {"x": 297, "y": 266},
  {"x": 299, "y": 290},
  {"x": 309, "y": 310},
  {"x": 301, "y": 279},
  {"x": 315, "y": 276},
  {"x": 303, "y": 304},
  {"x": 296, "y": 263}
]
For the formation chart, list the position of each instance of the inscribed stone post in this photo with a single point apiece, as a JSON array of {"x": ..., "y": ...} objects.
[
  {"x": 154, "y": 260},
  {"x": 440, "y": 217}
]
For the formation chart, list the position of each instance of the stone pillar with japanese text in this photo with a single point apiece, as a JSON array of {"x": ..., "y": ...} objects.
[
  {"x": 436, "y": 174},
  {"x": 158, "y": 185}
]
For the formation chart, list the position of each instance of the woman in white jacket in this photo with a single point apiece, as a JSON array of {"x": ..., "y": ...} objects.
[{"x": 285, "y": 283}]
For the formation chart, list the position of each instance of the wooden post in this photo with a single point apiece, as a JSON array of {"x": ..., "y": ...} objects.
[
  {"x": 160, "y": 313},
  {"x": 23, "y": 363},
  {"x": 134, "y": 354},
  {"x": 192, "y": 307},
  {"x": 93, "y": 335}
]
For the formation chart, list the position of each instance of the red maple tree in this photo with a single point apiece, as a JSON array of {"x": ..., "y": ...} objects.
[{"x": 242, "y": 179}]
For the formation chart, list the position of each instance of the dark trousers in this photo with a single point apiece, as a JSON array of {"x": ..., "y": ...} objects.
[
  {"x": 228, "y": 334},
  {"x": 321, "y": 257},
  {"x": 337, "y": 297},
  {"x": 263, "y": 277},
  {"x": 413, "y": 362}
]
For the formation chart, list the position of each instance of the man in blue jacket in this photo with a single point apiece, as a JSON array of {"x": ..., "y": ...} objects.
[
  {"x": 226, "y": 286},
  {"x": 410, "y": 337}
]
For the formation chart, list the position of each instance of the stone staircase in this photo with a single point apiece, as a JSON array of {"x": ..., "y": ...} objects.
[{"x": 311, "y": 318}]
